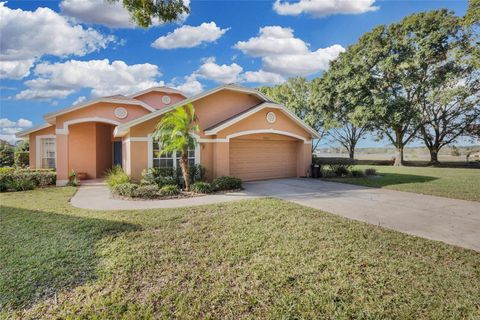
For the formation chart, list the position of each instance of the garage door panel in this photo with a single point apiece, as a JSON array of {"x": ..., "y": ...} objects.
[{"x": 262, "y": 159}]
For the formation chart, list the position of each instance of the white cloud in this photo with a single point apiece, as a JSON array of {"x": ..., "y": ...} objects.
[
  {"x": 322, "y": 8},
  {"x": 189, "y": 36},
  {"x": 285, "y": 55},
  {"x": 58, "y": 80},
  {"x": 9, "y": 128},
  {"x": 272, "y": 40},
  {"x": 190, "y": 86},
  {"x": 219, "y": 73},
  {"x": 263, "y": 77},
  {"x": 28, "y": 35},
  {"x": 79, "y": 100},
  {"x": 112, "y": 15},
  {"x": 302, "y": 64}
]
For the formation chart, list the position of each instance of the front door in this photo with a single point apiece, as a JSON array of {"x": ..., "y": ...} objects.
[{"x": 117, "y": 153}]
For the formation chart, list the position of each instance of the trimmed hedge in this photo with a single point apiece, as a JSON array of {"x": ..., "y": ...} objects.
[
  {"x": 226, "y": 183},
  {"x": 126, "y": 189},
  {"x": 147, "y": 191},
  {"x": 25, "y": 179}
]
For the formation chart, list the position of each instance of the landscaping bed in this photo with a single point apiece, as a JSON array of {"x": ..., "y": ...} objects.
[
  {"x": 22, "y": 179},
  {"x": 163, "y": 184}
]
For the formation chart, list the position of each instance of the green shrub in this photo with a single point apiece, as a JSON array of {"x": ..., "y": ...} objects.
[
  {"x": 169, "y": 190},
  {"x": 6, "y": 154},
  {"x": 125, "y": 189},
  {"x": 371, "y": 172},
  {"x": 147, "y": 191},
  {"x": 357, "y": 173},
  {"x": 24, "y": 184},
  {"x": 160, "y": 177},
  {"x": 201, "y": 187},
  {"x": 22, "y": 179},
  {"x": 340, "y": 169},
  {"x": 226, "y": 183},
  {"x": 197, "y": 173},
  {"x": 115, "y": 176},
  {"x": 4, "y": 170},
  {"x": 21, "y": 159}
]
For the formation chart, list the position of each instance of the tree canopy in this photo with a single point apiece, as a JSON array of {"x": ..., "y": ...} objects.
[{"x": 143, "y": 12}]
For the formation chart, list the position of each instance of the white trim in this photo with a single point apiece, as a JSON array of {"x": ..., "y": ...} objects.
[
  {"x": 122, "y": 129},
  {"x": 24, "y": 133},
  {"x": 82, "y": 120},
  {"x": 255, "y": 110},
  {"x": 38, "y": 154},
  {"x": 212, "y": 140},
  {"x": 50, "y": 116},
  {"x": 285, "y": 133},
  {"x": 138, "y": 139}
]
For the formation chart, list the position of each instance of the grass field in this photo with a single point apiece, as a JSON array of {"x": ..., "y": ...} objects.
[
  {"x": 444, "y": 182},
  {"x": 254, "y": 259}
]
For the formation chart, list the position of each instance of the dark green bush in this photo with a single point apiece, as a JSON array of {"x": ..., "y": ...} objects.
[
  {"x": 22, "y": 179},
  {"x": 340, "y": 170},
  {"x": 371, "y": 172},
  {"x": 146, "y": 191},
  {"x": 6, "y": 154},
  {"x": 226, "y": 183},
  {"x": 169, "y": 190},
  {"x": 115, "y": 176},
  {"x": 22, "y": 159},
  {"x": 126, "y": 189},
  {"x": 160, "y": 176},
  {"x": 201, "y": 187},
  {"x": 357, "y": 173}
]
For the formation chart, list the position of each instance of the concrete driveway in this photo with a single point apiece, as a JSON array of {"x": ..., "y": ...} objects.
[{"x": 452, "y": 221}]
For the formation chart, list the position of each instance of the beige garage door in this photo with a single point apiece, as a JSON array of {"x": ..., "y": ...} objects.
[{"x": 260, "y": 159}]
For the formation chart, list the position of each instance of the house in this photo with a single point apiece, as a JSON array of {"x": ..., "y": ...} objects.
[{"x": 242, "y": 133}]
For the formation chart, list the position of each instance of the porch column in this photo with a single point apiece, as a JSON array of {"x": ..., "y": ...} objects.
[
  {"x": 221, "y": 159},
  {"x": 61, "y": 142}
]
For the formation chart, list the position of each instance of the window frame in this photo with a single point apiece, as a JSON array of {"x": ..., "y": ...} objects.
[
  {"x": 39, "y": 153},
  {"x": 173, "y": 157}
]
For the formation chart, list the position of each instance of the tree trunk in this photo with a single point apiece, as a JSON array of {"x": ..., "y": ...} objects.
[
  {"x": 185, "y": 173},
  {"x": 398, "y": 156},
  {"x": 434, "y": 156},
  {"x": 351, "y": 153}
]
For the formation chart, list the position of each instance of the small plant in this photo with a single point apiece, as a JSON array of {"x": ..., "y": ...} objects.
[
  {"x": 357, "y": 173},
  {"x": 73, "y": 179},
  {"x": 115, "y": 176},
  {"x": 226, "y": 183},
  {"x": 22, "y": 184},
  {"x": 126, "y": 189},
  {"x": 160, "y": 176},
  {"x": 148, "y": 191},
  {"x": 371, "y": 172},
  {"x": 201, "y": 187},
  {"x": 169, "y": 190}
]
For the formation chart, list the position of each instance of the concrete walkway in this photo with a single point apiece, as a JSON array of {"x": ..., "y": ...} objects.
[
  {"x": 96, "y": 196},
  {"x": 452, "y": 221}
]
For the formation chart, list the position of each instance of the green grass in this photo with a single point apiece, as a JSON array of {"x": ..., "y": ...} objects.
[
  {"x": 255, "y": 259},
  {"x": 444, "y": 182}
]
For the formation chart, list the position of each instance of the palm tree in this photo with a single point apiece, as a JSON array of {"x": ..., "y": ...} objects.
[{"x": 175, "y": 133}]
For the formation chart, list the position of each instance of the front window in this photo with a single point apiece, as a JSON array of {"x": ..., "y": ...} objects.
[
  {"x": 170, "y": 159},
  {"x": 48, "y": 153}
]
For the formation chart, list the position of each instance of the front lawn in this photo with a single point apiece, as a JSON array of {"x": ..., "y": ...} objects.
[
  {"x": 254, "y": 259},
  {"x": 444, "y": 182}
]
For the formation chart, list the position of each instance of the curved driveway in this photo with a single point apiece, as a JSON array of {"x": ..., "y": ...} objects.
[{"x": 452, "y": 221}]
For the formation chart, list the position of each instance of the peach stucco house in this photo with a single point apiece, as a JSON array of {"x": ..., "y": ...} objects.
[{"x": 242, "y": 133}]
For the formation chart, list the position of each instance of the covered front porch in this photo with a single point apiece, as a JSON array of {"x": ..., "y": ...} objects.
[{"x": 88, "y": 148}]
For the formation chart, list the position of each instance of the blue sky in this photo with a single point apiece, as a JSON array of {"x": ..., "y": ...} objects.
[{"x": 52, "y": 58}]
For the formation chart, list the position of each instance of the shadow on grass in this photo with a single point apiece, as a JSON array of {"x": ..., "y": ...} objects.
[
  {"x": 386, "y": 179},
  {"x": 43, "y": 253}
]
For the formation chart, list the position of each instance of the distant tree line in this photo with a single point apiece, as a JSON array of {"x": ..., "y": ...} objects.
[{"x": 416, "y": 79}]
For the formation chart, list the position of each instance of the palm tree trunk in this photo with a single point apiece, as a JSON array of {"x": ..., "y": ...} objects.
[{"x": 185, "y": 171}]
